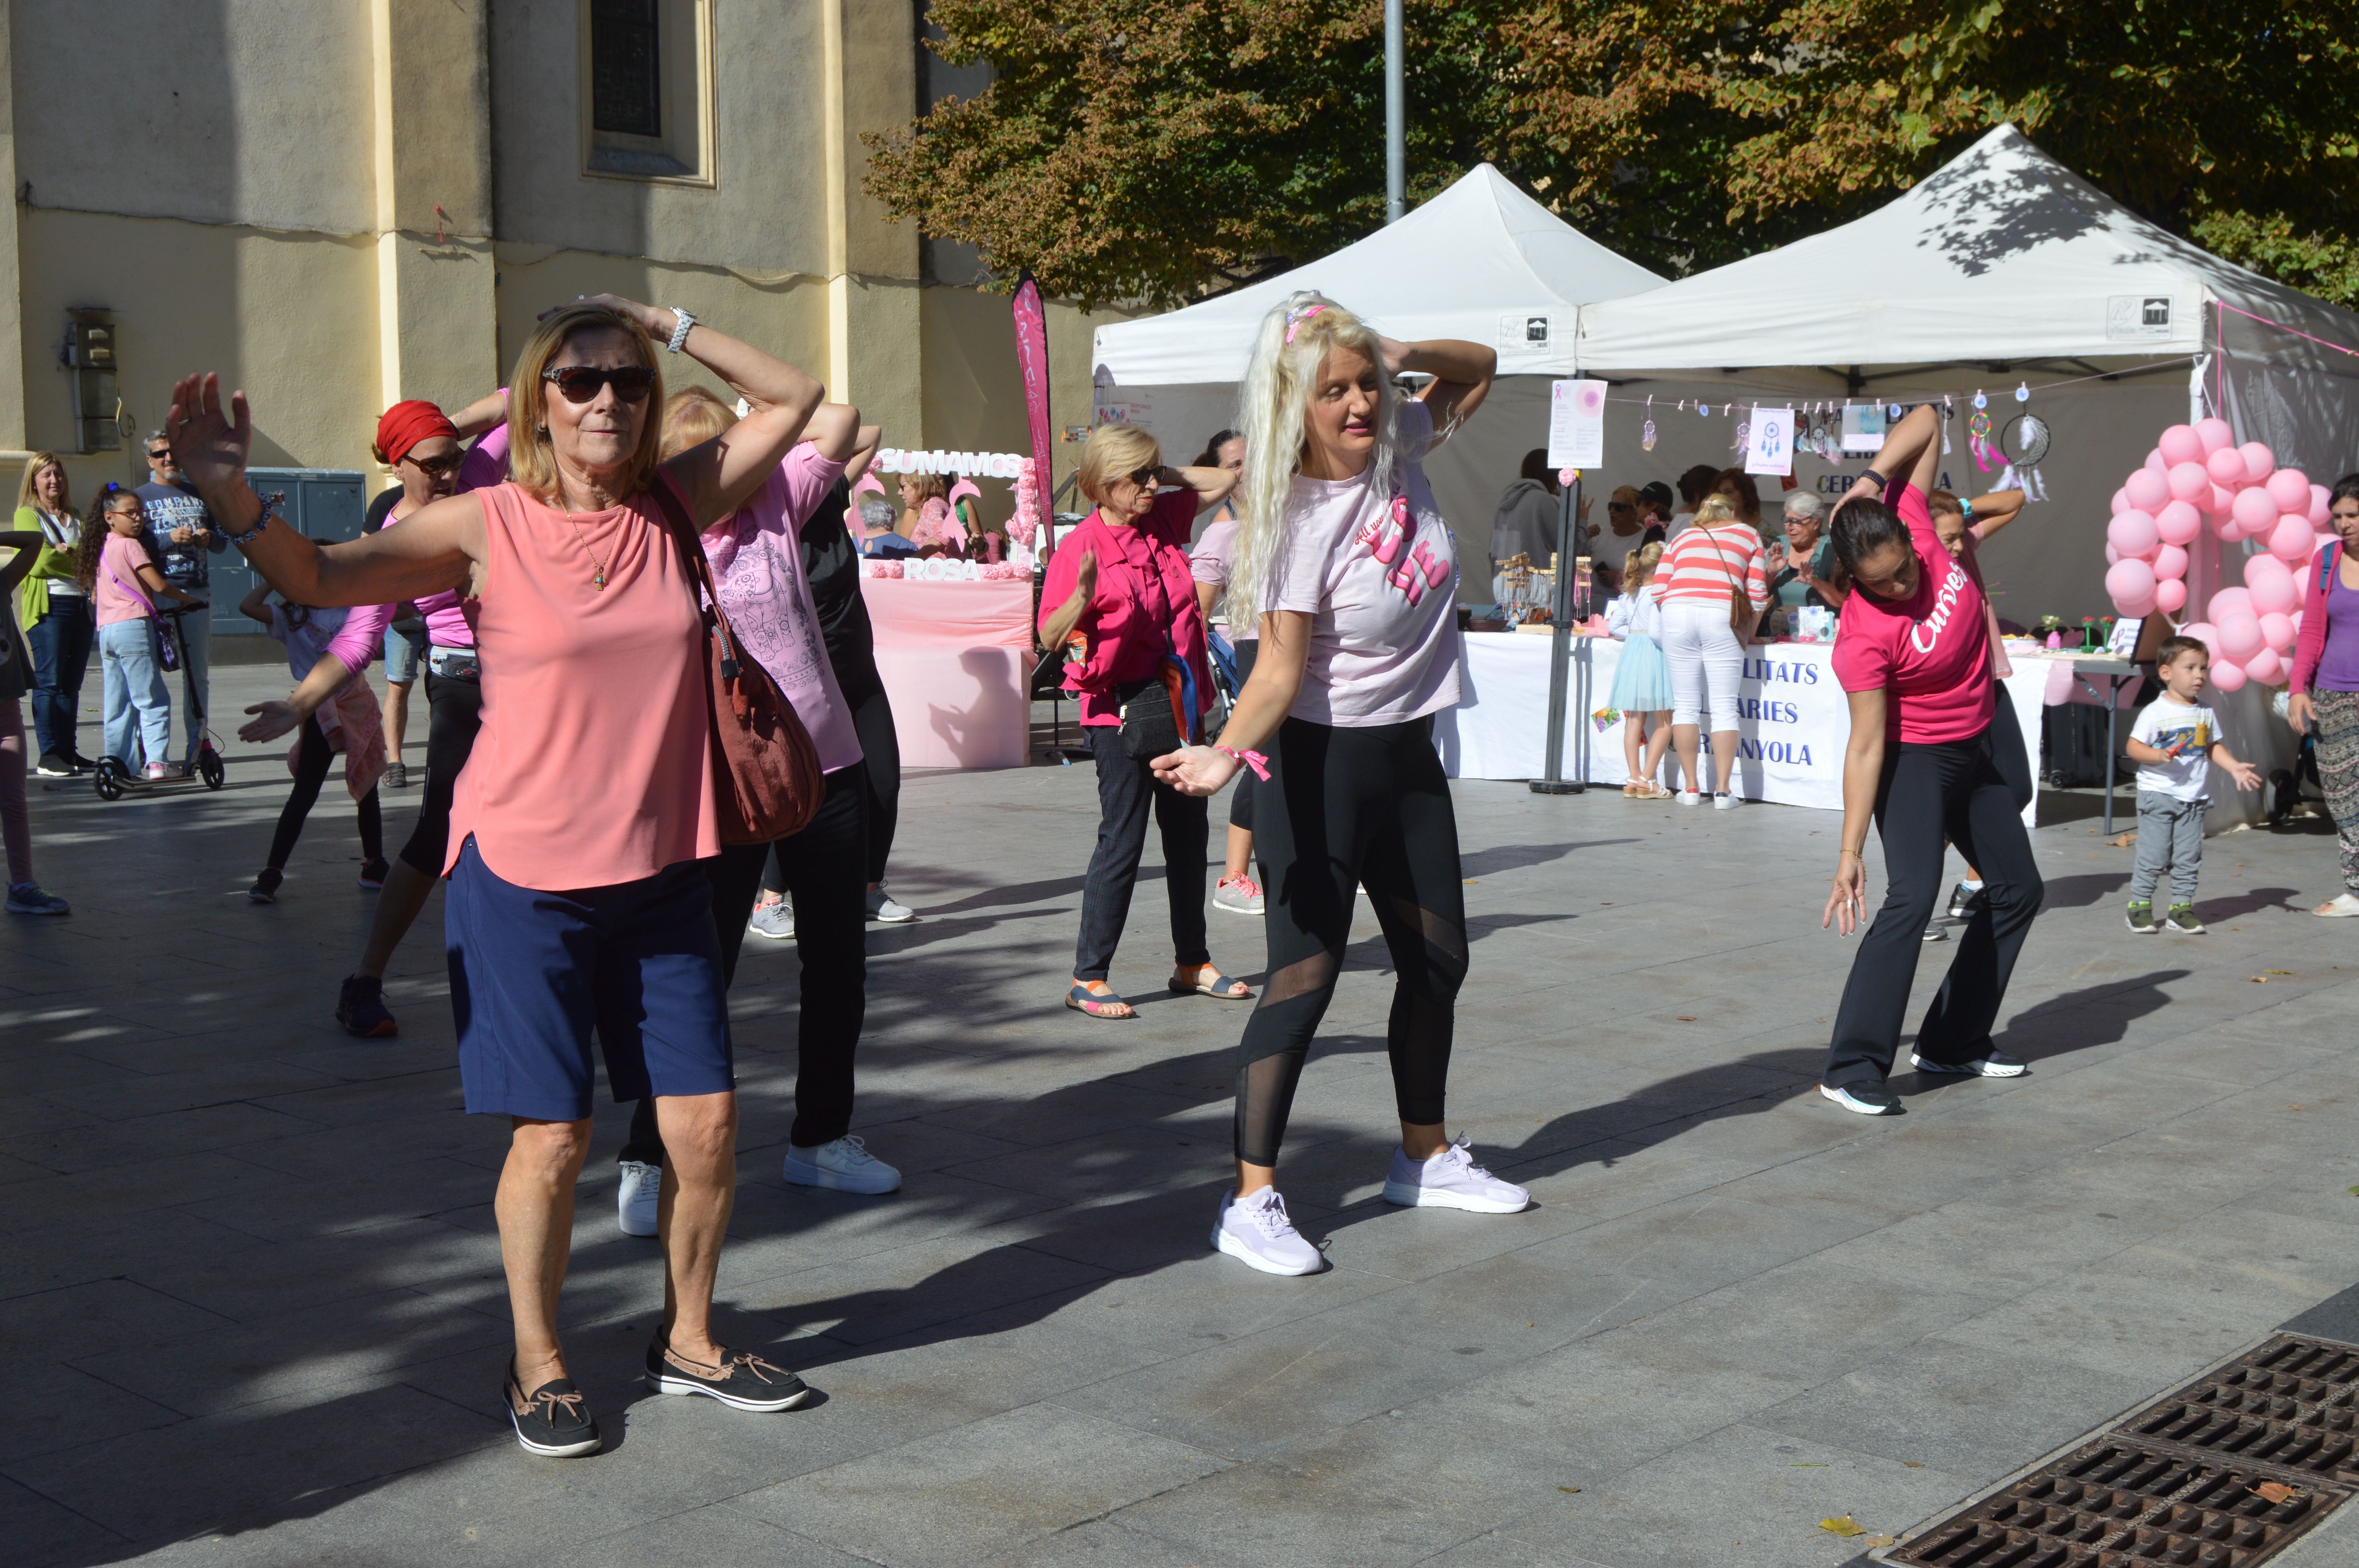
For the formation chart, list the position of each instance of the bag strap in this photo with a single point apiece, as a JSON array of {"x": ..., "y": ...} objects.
[
  {"x": 135, "y": 591},
  {"x": 696, "y": 568},
  {"x": 2327, "y": 558}
]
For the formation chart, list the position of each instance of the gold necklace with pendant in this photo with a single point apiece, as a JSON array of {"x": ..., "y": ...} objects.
[{"x": 598, "y": 578}]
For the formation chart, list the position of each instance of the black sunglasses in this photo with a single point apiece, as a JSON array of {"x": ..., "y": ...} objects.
[
  {"x": 1619, "y": 506},
  {"x": 159, "y": 452},
  {"x": 448, "y": 464},
  {"x": 1143, "y": 477},
  {"x": 581, "y": 383}
]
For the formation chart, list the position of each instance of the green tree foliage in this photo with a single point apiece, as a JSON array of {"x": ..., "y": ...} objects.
[{"x": 1149, "y": 149}]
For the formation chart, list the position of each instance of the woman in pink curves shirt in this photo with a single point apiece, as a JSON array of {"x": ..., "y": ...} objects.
[{"x": 1913, "y": 654}]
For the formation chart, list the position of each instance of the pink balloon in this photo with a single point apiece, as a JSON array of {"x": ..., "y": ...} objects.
[
  {"x": 2229, "y": 603},
  {"x": 2112, "y": 555},
  {"x": 2170, "y": 598},
  {"x": 2279, "y": 631},
  {"x": 2129, "y": 581},
  {"x": 2147, "y": 489},
  {"x": 2121, "y": 502},
  {"x": 2259, "y": 461},
  {"x": 2180, "y": 444},
  {"x": 2223, "y": 500},
  {"x": 2274, "y": 595},
  {"x": 2227, "y": 467},
  {"x": 2132, "y": 533},
  {"x": 2289, "y": 488},
  {"x": 2228, "y": 675},
  {"x": 2254, "y": 509},
  {"x": 2169, "y": 563},
  {"x": 2214, "y": 434},
  {"x": 2178, "y": 524},
  {"x": 2322, "y": 501},
  {"x": 2240, "y": 638},
  {"x": 2189, "y": 482},
  {"x": 2266, "y": 667},
  {"x": 2157, "y": 462},
  {"x": 2292, "y": 540}
]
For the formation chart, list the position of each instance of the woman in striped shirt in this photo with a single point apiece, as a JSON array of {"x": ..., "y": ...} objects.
[{"x": 1715, "y": 589}]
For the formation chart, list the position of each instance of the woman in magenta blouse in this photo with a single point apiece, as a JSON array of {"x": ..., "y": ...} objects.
[
  {"x": 1121, "y": 584},
  {"x": 2325, "y": 683}
]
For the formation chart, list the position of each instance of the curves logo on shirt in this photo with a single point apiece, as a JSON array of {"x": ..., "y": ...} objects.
[
  {"x": 1923, "y": 635},
  {"x": 1390, "y": 541}
]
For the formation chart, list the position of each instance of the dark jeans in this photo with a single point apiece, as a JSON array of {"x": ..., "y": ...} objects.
[
  {"x": 880, "y": 751},
  {"x": 1126, "y": 789},
  {"x": 61, "y": 642},
  {"x": 1958, "y": 791},
  {"x": 821, "y": 869},
  {"x": 1345, "y": 809},
  {"x": 311, "y": 771}
]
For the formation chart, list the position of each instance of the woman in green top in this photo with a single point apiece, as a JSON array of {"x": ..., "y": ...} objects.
[{"x": 55, "y": 613}]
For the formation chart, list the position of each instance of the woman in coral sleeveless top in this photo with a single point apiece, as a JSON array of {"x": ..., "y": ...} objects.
[{"x": 575, "y": 904}]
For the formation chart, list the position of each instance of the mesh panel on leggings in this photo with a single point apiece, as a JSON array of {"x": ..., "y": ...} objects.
[{"x": 1276, "y": 1042}]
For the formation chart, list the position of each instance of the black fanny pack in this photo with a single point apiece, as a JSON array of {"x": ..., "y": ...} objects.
[
  {"x": 1149, "y": 729},
  {"x": 453, "y": 663}
]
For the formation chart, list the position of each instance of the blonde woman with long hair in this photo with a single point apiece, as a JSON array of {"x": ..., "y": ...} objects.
[
  {"x": 576, "y": 906},
  {"x": 1345, "y": 561},
  {"x": 58, "y": 630}
]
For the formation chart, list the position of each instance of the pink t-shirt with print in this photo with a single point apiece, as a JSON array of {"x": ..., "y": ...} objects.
[
  {"x": 1930, "y": 651},
  {"x": 757, "y": 564},
  {"x": 1378, "y": 576}
]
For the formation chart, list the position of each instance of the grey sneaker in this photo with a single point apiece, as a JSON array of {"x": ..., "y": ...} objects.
[
  {"x": 1257, "y": 1231},
  {"x": 1450, "y": 1179},
  {"x": 26, "y": 898},
  {"x": 2140, "y": 918},
  {"x": 396, "y": 776},
  {"x": 774, "y": 919},
  {"x": 883, "y": 906},
  {"x": 845, "y": 1165},
  {"x": 2182, "y": 920},
  {"x": 1238, "y": 895}
]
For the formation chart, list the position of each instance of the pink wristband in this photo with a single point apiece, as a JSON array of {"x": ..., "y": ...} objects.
[{"x": 1253, "y": 759}]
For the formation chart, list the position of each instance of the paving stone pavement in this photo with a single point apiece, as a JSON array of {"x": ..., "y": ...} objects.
[{"x": 252, "y": 1289}]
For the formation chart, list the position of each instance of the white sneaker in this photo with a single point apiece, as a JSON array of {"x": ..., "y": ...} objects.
[
  {"x": 775, "y": 919},
  {"x": 845, "y": 1165},
  {"x": 1256, "y": 1231},
  {"x": 1690, "y": 797},
  {"x": 1238, "y": 895},
  {"x": 634, "y": 1196},
  {"x": 1727, "y": 800},
  {"x": 2342, "y": 906},
  {"x": 883, "y": 906},
  {"x": 1450, "y": 1179}
]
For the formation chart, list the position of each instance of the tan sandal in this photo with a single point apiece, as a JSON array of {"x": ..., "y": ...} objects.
[{"x": 1630, "y": 789}]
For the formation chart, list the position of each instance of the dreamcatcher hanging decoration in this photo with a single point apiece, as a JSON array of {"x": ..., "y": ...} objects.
[
  {"x": 2024, "y": 444},
  {"x": 1978, "y": 433},
  {"x": 1646, "y": 436}
]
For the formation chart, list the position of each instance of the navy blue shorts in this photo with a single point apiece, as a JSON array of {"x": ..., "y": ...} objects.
[{"x": 533, "y": 973}]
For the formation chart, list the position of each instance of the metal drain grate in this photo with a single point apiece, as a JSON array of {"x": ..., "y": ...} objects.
[{"x": 2222, "y": 1473}]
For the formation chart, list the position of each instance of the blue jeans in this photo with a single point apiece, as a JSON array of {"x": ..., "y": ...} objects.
[
  {"x": 136, "y": 693},
  {"x": 196, "y": 673},
  {"x": 60, "y": 640}
]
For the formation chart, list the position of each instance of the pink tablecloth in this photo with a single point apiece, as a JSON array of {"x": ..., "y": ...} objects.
[{"x": 956, "y": 659}]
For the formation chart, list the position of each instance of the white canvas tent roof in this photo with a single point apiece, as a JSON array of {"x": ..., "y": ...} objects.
[
  {"x": 1482, "y": 261},
  {"x": 2002, "y": 253}
]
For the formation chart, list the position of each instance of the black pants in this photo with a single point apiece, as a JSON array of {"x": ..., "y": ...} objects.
[
  {"x": 1927, "y": 793},
  {"x": 822, "y": 869},
  {"x": 455, "y": 712},
  {"x": 880, "y": 751},
  {"x": 1241, "y": 799},
  {"x": 1344, "y": 809},
  {"x": 1127, "y": 790},
  {"x": 311, "y": 771}
]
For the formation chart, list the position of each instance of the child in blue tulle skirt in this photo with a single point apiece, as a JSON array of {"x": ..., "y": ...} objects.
[{"x": 1642, "y": 680}]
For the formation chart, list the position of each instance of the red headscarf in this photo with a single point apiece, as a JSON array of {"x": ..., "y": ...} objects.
[{"x": 406, "y": 424}]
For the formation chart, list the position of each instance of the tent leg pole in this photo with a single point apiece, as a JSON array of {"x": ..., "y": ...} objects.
[{"x": 1552, "y": 780}]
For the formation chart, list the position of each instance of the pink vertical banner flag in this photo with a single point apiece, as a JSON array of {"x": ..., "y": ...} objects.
[{"x": 1032, "y": 355}]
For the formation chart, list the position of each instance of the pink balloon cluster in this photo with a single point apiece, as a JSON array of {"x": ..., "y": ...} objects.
[{"x": 2198, "y": 472}]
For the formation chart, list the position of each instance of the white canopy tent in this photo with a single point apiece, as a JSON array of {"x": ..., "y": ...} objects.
[{"x": 1482, "y": 261}]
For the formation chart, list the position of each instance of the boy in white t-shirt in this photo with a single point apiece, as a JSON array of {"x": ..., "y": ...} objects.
[{"x": 2175, "y": 742}]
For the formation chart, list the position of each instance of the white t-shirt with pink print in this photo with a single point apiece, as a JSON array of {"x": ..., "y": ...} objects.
[{"x": 1377, "y": 573}]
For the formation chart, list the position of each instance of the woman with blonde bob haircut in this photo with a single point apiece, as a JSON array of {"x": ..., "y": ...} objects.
[
  {"x": 575, "y": 904},
  {"x": 1345, "y": 561},
  {"x": 1123, "y": 581}
]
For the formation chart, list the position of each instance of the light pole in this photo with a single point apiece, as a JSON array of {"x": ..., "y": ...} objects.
[{"x": 1396, "y": 120}]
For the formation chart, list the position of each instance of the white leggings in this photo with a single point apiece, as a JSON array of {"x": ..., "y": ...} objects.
[{"x": 1707, "y": 662}]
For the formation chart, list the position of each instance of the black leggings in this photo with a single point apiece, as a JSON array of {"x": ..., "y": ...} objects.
[
  {"x": 1241, "y": 800},
  {"x": 311, "y": 771},
  {"x": 1343, "y": 809},
  {"x": 822, "y": 868},
  {"x": 456, "y": 713},
  {"x": 1959, "y": 790},
  {"x": 880, "y": 751}
]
